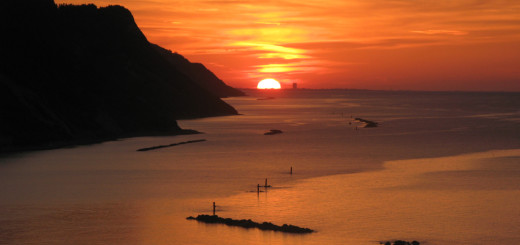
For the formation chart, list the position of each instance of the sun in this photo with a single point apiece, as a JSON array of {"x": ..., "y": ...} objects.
[{"x": 268, "y": 83}]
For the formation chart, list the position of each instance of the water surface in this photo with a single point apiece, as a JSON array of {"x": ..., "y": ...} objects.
[{"x": 437, "y": 170}]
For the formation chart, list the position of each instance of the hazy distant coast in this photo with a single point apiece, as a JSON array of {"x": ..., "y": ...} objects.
[{"x": 82, "y": 74}]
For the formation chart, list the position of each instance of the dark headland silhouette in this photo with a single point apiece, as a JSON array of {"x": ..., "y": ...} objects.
[{"x": 80, "y": 74}]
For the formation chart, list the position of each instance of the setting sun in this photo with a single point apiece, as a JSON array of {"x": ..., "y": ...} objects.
[{"x": 269, "y": 83}]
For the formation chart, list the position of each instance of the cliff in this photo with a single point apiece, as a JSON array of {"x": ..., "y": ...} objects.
[{"x": 72, "y": 74}]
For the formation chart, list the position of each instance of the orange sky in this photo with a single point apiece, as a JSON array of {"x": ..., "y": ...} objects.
[{"x": 365, "y": 44}]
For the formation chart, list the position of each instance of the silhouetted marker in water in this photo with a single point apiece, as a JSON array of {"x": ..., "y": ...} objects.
[
  {"x": 291, "y": 170},
  {"x": 266, "y": 184},
  {"x": 214, "y": 219},
  {"x": 214, "y": 208}
]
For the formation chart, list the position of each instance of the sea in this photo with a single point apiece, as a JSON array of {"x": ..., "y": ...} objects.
[{"x": 439, "y": 168}]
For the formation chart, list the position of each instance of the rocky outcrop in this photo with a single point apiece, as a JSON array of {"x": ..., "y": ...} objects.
[
  {"x": 273, "y": 132},
  {"x": 368, "y": 124},
  {"x": 214, "y": 219}
]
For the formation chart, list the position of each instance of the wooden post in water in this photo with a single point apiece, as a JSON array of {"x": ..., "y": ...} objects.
[
  {"x": 214, "y": 208},
  {"x": 265, "y": 183},
  {"x": 291, "y": 170},
  {"x": 257, "y": 188}
]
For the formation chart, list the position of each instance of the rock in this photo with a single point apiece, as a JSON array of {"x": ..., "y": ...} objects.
[
  {"x": 214, "y": 219},
  {"x": 401, "y": 242},
  {"x": 273, "y": 131},
  {"x": 368, "y": 124}
]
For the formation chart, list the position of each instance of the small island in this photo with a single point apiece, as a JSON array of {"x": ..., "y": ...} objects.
[
  {"x": 273, "y": 131},
  {"x": 214, "y": 219},
  {"x": 368, "y": 124},
  {"x": 400, "y": 242}
]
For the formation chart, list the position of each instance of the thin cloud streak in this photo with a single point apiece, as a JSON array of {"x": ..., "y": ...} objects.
[{"x": 441, "y": 32}]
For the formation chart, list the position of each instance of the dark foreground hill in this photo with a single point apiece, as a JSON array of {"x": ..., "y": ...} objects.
[{"x": 72, "y": 74}]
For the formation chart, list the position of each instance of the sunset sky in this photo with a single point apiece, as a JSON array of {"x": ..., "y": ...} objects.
[{"x": 360, "y": 44}]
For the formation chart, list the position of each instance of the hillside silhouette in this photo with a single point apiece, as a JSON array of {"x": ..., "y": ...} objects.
[
  {"x": 78, "y": 73},
  {"x": 199, "y": 74}
]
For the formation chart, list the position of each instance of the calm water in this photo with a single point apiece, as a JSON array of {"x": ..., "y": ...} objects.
[{"x": 442, "y": 168}]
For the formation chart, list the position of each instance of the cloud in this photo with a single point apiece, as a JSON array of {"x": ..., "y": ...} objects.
[
  {"x": 442, "y": 32},
  {"x": 274, "y": 51},
  {"x": 338, "y": 45}
]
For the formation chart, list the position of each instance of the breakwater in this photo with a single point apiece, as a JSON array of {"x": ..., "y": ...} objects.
[{"x": 214, "y": 219}]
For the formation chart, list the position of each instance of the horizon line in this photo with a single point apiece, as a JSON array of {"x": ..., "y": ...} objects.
[{"x": 386, "y": 90}]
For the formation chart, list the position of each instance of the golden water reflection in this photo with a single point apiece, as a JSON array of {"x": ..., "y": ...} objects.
[{"x": 400, "y": 202}]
